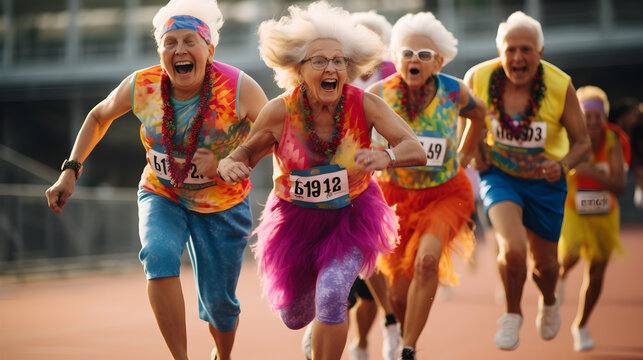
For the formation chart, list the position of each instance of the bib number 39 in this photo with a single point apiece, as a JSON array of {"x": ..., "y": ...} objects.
[{"x": 323, "y": 187}]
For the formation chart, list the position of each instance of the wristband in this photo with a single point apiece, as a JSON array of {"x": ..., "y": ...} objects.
[
  {"x": 392, "y": 156},
  {"x": 74, "y": 165}
]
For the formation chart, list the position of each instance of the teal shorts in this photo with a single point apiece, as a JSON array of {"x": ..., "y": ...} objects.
[
  {"x": 216, "y": 243},
  {"x": 542, "y": 202}
]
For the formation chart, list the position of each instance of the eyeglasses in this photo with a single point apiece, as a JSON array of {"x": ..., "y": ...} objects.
[
  {"x": 424, "y": 55},
  {"x": 321, "y": 62}
]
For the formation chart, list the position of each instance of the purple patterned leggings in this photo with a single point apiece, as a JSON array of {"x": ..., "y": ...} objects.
[{"x": 329, "y": 300}]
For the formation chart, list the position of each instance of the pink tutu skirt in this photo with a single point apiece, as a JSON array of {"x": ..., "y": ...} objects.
[{"x": 294, "y": 242}]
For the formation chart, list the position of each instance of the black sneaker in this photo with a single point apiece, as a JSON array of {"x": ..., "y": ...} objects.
[{"x": 407, "y": 354}]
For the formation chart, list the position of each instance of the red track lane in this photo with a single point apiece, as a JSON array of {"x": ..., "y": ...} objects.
[{"x": 107, "y": 317}]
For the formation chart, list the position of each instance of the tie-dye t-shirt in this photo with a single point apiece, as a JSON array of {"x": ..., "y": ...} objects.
[
  {"x": 436, "y": 128},
  {"x": 222, "y": 132},
  {"x": 294, "y": 151},
  {"x": 545, "y": 139}
]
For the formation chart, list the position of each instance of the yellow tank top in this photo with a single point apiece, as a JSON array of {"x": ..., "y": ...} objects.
[{"x": 546, "y": 138}]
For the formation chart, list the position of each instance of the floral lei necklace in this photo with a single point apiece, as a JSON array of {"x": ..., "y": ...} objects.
[
  {"x": 320, "y": 146},
  {"x": 496, "y": 90},
  {"x": 168, "y": 128},
  {"x": 415, "y": 108}
]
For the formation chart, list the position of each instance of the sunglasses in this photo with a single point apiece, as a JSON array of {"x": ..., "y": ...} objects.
[{"x": 424, "y": 55}]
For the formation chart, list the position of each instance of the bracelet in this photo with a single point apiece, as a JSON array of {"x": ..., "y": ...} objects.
[
  {"x": 74, "y": 165},
  {"x": 564, "y": 168},
  {"x": 392, "y": 156}
]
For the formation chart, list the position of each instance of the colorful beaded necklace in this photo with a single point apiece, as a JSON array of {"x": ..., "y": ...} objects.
[
  {"x": 320, "y": 146},
  {"x": 496, "y": 91},
  {"x": 168, "y": 128},
  {"x": 413, "y": 109}
]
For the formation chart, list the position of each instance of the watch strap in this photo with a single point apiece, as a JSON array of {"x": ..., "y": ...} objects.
[
  {"x": 72, "y": 164},
  {"x": 391, "y": 154}
]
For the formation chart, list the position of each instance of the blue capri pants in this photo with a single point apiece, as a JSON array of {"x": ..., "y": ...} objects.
[{"x": 215, "y": 242}]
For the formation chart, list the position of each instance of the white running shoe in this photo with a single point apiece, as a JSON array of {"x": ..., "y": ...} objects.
[
  {"x": 548, "y": 319},
  {"x": 507, "y": 336},
  {"x": 306, "y": 340},
  {"x": 391, "y": 341},
  {"x": 582, "y": 339},
  {"x": 357, "y": 353}
]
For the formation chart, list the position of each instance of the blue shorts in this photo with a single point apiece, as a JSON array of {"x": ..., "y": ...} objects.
[
  {"x": 215, "y": 242},
  {"x": 542, "y": 202}
]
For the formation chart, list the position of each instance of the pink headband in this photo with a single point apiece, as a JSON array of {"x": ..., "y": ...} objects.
[
  {"x": 593, "y": 104},
  {"x": 188, "y": 22}
]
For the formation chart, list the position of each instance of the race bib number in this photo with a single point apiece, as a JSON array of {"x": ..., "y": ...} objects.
[
  {"x": 532, "y": 137},
  {"x": 434, "y": 146},
  {"x": 593, "y": 202},
  {"x": 161, "y": 168},
  {"x": 322, "y": 187}
]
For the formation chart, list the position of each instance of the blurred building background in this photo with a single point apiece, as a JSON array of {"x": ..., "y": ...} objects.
[{"x": 58, "y": 58}]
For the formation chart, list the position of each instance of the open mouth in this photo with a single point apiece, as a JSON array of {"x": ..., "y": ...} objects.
[
  {"x": 519, "y": 69},
  {"x": 183, "y": 67},
  {"x": 329, "y": 85},
  {"x": 414, "y": 71}
]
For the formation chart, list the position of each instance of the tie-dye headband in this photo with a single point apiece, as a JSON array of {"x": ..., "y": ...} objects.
[
  {"x": 187, "y": 22},
  {"x": 593, "y": 104}
]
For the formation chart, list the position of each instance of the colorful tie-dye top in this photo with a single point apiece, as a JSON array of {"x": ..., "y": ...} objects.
[
  {"x": 436, "y": 128},
  {"x": 222, "y": 132},
  {"x": 295, "y": 153},
  {"x": 545, "y": 139},
  {"x": 599, "y": 159}
]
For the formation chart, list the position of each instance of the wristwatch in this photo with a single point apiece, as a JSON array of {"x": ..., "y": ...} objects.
[
  {"x": 392, "y": 156},
  {"x": 74, "y": 165}
]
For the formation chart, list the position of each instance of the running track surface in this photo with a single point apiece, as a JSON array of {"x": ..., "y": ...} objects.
[{"x": 107, "y": 316}]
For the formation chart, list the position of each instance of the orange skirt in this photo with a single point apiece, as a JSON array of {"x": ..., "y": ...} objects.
[{"x": 444, "y": 211}]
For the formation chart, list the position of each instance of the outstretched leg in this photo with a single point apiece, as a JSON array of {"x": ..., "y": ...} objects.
[{"x": 166, "y": 299}]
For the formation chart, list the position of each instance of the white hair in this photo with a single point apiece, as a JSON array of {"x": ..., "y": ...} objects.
[
  {"x": 283, "y": 44},
  {"x": 374, "y": 22},
  {"x": 426, "y": 24},
  {"x": 204, "y": 10},
  {"x": 520, "y": 20}
]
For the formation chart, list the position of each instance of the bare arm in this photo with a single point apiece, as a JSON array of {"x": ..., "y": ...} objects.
[
  {"x": 613, "y": 181},
  {"x": 251, "y": 101},
  {"x": 472, "y": 131},
  {"x": 99, "y": 119},
  {"x": 265, "y": 133},
  {"x": 579, "y": 142},
  {"x": 403, "y": 142},
  {"x": 480, "y": 157}
]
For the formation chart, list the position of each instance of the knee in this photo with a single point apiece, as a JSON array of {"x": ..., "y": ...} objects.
[
  {"x": 160, "y": 261},
  {"x": 426, "y": 267},
  {"x": 332, "y": 305},
  {"x": 398, "y": 301},
  {"x": 515, "y": 260},
  {"x": 549, "y": 269}
]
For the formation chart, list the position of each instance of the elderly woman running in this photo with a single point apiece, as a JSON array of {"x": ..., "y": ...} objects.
[
  {"x": 325, "y": 220},
  {"x": 434, "y": 201},
  {"x": 193, "y": 112}
]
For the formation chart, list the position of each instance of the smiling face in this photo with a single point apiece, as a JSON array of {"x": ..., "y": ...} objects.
[
  {"x": 184, "y": 55},
  {"x": 520, "y": 55},
  {"x": 323, "y": 86},
  {"x": 415, "y": 72}
]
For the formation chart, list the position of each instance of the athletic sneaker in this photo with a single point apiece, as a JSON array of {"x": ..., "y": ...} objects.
[
  {"x": 582, "y": 339},
  {"x": 306, "y": 340},
  {"x": 507, "y": 336},
  {"x": 356, "y": 352},
  {"x": 548, "y": 319},
  {"x": 391, "y": 340},
  {"x": 408, "y": 353},
  {"x": 214, "y": 355}
]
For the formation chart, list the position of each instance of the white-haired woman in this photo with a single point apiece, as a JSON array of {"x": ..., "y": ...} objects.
[
  {"x": 535, "y": 134},
  {"x": 193, "y": 112},
  {"x": 379, "y": 25},
  {"x": 325, "y": 220},
  {"x": 591, "y": 221},
  {"x": 434, "y": 202}
]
